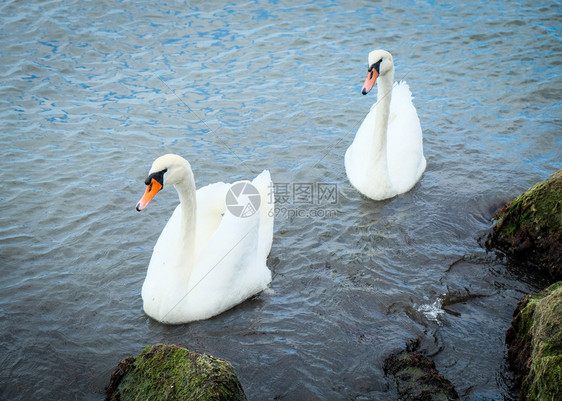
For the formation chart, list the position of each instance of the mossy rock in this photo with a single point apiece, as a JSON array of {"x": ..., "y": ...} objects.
[
  {"x": 535, "y": 345},
  {"x": 417, "y": 378},
  {"x": 168, "y": 372},
  {"x": 530, "y": 226}
]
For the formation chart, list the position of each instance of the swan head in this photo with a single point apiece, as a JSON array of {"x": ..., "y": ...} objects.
[
  {"x": 167, "y": 170},
  {"x": 380, "y": 64}
]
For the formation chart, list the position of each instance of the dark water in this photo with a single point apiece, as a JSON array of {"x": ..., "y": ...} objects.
[{"x": 92, "y": 92}]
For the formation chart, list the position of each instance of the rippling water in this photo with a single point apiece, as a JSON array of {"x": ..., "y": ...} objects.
[{"x": 92, "y": 92}]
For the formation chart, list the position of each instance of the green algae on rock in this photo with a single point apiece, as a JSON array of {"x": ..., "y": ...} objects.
[
  {"x": 416, "y": 376},
  {"x": 530, "y": 226},
  {"x": 169, "y": 372},
  {"x": 535, "y": 345}
]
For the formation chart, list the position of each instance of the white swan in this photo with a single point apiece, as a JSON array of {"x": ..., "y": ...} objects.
[
  {"x": 207, "y": 259},
  {"x": 386, "y": 156}
]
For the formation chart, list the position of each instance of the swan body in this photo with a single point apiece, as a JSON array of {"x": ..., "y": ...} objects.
[
  {"x": 386, "y": 157},
  {"x": 207, "y": 259}
]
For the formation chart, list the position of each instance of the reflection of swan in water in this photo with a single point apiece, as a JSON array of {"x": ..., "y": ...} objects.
[
  {"x": 207, "y": 259},
  {"x": 386, "y": 157}
]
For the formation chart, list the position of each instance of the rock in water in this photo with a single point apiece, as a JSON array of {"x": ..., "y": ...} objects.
[
  {"x": 416, "y": 377},
  {"x": 535, "y": 345},
  {"x": 530, "y": 226},
  {"x": 168, "y": 372}
]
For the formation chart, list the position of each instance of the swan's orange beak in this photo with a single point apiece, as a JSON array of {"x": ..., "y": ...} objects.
[
  {"x": 152, "y": 189},
  {"x": 370, "y": 81}
]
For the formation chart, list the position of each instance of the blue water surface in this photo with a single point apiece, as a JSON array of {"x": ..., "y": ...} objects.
[{"x": 92, "y": 92}]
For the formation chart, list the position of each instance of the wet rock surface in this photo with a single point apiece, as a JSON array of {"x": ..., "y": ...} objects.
[
  {"x": 535, "y": 345},
  {"x": 416, "y": 377},
  {"x": 530, "y": 226}
]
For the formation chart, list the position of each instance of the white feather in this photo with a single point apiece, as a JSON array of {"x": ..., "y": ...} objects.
[{"x": 203, "y": 266}]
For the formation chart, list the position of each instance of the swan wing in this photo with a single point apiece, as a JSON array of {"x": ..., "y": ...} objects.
[
  {"x": 211, "y": 205},
  {"x": 232, "y": 262},
  {"x": 406, "y": 161}
]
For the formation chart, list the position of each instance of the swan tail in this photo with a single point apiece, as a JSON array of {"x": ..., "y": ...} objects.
[{"x": 267, "y": 204}]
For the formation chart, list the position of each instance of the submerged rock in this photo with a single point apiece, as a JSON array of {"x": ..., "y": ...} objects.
[
  {"x": 169, "y": 372},
  {"x": 535, "y": 345},
  {"x": 417, "y": 378},
  {"x": 530, "y": 226}
]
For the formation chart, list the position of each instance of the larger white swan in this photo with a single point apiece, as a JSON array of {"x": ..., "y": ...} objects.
[
  {"x": 386, "y": 157},
  {"x": 207, "y": 259}
]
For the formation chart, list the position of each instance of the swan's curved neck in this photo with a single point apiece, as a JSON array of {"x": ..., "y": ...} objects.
[
  {"x": 188, "y": 202},
  {"x": 384, "y": 96}
]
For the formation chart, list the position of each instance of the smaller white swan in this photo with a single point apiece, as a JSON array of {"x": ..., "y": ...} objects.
[
  {"x": 386, "y": 157},
  {"x": 207, "y": 259}
]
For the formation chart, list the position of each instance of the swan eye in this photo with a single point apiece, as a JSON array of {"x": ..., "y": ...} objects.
[
  {"x": 375, "y": 66},
  {"x": 159, "y": 176}
]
